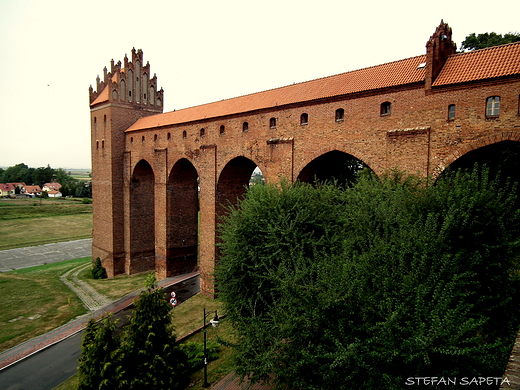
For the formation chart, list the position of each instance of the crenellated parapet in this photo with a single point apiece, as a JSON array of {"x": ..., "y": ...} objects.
[{"x": 128, "y": 83}]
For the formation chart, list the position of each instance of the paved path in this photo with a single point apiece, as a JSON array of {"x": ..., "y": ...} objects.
[
  {"x": 31, "y": 256},
  {"x": 92, "y": 299}
]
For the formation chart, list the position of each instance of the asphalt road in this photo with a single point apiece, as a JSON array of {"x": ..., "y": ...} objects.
[{"x": 48, "y": 368}]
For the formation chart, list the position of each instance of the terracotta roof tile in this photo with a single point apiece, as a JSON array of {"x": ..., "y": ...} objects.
[
  {"x": 386, "y": 75},
  {"x": 103, "y": 97},
  {"x": 481, "y": 64}
]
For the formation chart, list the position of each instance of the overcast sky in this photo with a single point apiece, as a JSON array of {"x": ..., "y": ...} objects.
[{"x": 52, "y": 50}]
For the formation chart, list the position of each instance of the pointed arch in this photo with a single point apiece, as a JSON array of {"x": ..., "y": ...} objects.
[
  {"x": 142, "y": 218},
  {"x": 182, "y": 218}
]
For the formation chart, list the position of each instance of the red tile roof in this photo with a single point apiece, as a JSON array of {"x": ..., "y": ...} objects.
[
  {"x": 387, "y": 75},
  {"x": 497, "y": 61}
]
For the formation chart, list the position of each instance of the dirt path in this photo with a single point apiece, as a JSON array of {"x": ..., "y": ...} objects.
[{"x": 92, "y": 299}]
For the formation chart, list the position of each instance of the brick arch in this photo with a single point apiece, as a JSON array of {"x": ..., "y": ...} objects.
[
  {"x": 461, "y": 150},
  {"x": 182, "y": 208},
  {"x": 355, "y": 152},
  {"x": 142, "y": 218}
]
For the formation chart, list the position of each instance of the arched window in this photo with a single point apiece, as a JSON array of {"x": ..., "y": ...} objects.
[
  {"x": 202, "y": 132},
  {"x": 451, "y": 112},
  {"x": 340, "y": 113},
  {"x": 272, "y": 123},
  {"x": 304, "y": 119},
  {"x": 155, "y": 137},
  {"x": 493, "y": 106},
  {"x": 222, "y": 129},
  {"x": 169, "y": 136},
  {"x": 184, "y": 135},
  {"x": 245, "y": 126},
  {"x": 386, "y": 108}
]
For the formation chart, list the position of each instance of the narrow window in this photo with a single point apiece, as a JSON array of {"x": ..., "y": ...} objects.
[
  {"x": 493, "y": 106},
  {"x": 451, "y": 112},
  {"x": 95, "y": 120},
  {"x": 102, "y": 144},
  {"x": 184, "y": 135},
  {"x": 155, "y": 137},
  {"x": 386, "y": 108},
  {"x": 340, "y": 113},
  {"x": 222, "y": 129},
  {"x": 105, "y": 119},
  {"x": 142, "y": 139},
  {"x": 272, "y": 123},
  {"x": 245, "y": 126},
  {"x": 97, "y": 144},
  {"x": 202, "y": 132},
  {"x": 131, "y": 140},
  {"x": 304, "y": 119},
  {"x": 169, "y": 136}
]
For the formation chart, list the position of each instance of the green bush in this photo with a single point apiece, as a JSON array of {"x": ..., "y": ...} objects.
[
  {"x": 98, "y": 271},
  {"x": 195, "y": 353},
  {"x": 366, "y": 287}
]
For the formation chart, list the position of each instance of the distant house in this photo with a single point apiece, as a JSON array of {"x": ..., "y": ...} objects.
[
  {"x": 54, "y": 194},
  {"x": 32, "y": 190},
  {"x": 6, "y": 189},
  {"x": 51, "y": 187}
]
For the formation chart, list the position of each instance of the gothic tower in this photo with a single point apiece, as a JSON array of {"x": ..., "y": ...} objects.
[{"x": 123, "y": 96}]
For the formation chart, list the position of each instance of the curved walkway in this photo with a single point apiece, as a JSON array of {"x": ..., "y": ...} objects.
[{"x": 92, "y": 299}]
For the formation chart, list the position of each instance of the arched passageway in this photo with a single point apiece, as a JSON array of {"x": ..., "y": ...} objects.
[
  {"x": 232, "y": 184},
  {"x": 336, "y": 166},
  {"x": 503, "y": 157},
  {"x": 142, "y": 219},
  {"x": 182, "y": 219}
]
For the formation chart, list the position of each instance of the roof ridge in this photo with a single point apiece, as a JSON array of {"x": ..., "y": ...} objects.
[
  {"x": 296, "y": 83},
  {"x": 487, "y": 48}
]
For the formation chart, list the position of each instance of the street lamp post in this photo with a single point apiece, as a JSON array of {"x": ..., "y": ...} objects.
[{"x": 214, "y": 322}]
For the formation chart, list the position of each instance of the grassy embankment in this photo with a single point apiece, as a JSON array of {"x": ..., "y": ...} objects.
[{"x": 28, "y": 222}]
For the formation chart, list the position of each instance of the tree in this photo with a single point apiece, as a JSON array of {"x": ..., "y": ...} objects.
[
  {"x": 481, "y": 41},
  {"x": 145, "y": 356},
  {"x": 96, "y": 369},
  {"x": 363, "y": 288}
]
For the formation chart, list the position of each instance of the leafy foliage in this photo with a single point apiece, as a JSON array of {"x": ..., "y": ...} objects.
[
  {"x": 195, "y": 353},
  {"x": 481, "y": 41},
  {"x": 365, "y": 287},
  {"x": 145, "y": 356}
]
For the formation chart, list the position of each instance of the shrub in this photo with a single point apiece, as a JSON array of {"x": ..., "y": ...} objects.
[
  {"x": 366, "y": 287},
  {"x": 98, "y": 271}
]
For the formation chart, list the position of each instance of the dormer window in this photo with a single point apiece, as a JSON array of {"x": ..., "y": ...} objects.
[
  {"x": 386, "y": 108},
  {"x": 493, "y": 106},
  {"x": 304, "y": 119}
]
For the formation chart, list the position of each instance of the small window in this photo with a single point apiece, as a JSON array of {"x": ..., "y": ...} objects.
[
  {"x": 340, "y": 114},
  {"x": 169, "y": 136},
  {"x": 102, "y": 144},
  {"x": 245, "y": 126},
  {"x": 105, "y": 119},
  {"x": 272, "y": 123},
  {"x": 142, "y": 139},
  {"x": 304, "y": 119},
  {"x": 202, "y": 132},
  {"x": 493, "y": 106},
  {"x": 131, "y": 140},
  {"x": 386, "y": 108},
  {"x": 184, "y": 135},
  {"x": 222, "y": 129},
  {"x": 451, "y": 112},
  {"x": 155, "y": 137},
  {"x": 97, "y": 144},
  {"x": 95, "y": 120}
]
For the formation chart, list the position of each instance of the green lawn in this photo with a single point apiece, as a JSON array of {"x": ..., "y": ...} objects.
[{"x": 28, "y": 222}]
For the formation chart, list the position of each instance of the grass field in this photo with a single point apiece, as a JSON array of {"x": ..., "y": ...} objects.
[{"x": 28, "y": 222}]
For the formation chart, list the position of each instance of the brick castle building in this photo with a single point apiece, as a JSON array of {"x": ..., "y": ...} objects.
[{"x": 160, "y": 179}]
